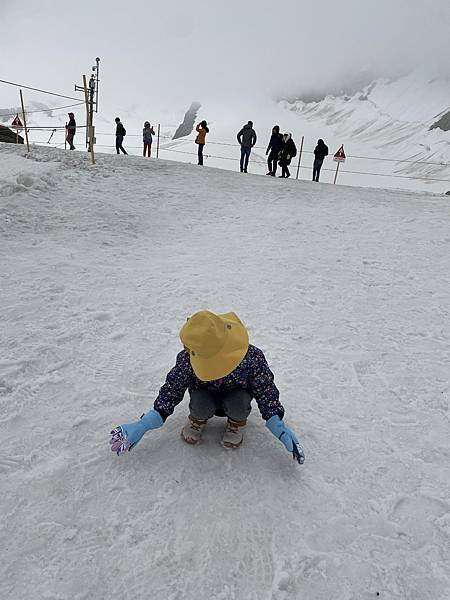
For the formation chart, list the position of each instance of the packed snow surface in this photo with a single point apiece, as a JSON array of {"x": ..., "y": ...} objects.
[{"x": 346, "y": 290}]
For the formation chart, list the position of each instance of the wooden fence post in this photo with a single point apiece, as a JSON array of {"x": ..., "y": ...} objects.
[
  {"x": 337, "y": 171},
  {"x": 89, "y": 121},
  {"x": 300, "y": 156},
  {"x": 157, "y": 141},
  {"x": 24, "y": 121}
]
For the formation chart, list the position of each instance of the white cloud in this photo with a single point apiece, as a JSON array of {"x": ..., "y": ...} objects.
[{"x": 162, "y": 54}]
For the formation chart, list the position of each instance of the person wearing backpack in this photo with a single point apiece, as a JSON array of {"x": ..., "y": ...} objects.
[
  {"x": 202, "y": 130},
  {"x": 147, "y": 136},
  {"x": 288, "y": 151},
  {"x": 120, "y": 134}
]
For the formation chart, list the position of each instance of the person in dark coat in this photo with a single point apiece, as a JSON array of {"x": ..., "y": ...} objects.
[
  {"x": 71, "y": 128},
  {"x": 120, "y": 134},
  {"x": 247, "y": 139},
  {"x": 320, "y": 151},
  {"x": 273, "y": 150},
  {"x": 202, "y": 130},
  {"x": 223, "y": 373},
  {"x": 288, "y": 151}
]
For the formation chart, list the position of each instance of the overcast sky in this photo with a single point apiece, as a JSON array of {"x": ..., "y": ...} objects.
[{"x": 173, "y": 51}]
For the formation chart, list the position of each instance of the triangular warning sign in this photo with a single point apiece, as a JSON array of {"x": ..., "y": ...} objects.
[
  {"x": 17, "y": 123},
  {"x": 340, "y": 155}
]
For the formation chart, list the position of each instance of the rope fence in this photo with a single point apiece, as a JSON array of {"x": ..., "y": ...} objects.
[{"x": 255, "y": 160}]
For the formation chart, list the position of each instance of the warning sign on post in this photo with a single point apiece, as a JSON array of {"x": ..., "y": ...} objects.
[
  {"x": 17, "y": 123},
  {"x": 340, "y": 155}
]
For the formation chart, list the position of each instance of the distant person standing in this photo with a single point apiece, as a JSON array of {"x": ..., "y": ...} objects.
[
  {"x": 71, "y": 128},
  {"x": 202, "y": 130},
  {"x": 273, "y": 150},
  {"x": 147, "y": 136},
  {"x": 287, "y": 153},
  {"x": 120, "y": 134},
  {"x": 320, "y": 151},
  {"x": 247, "y": 139}
]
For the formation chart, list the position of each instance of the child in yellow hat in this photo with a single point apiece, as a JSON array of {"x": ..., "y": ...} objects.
[{"x": 223, "y": 373}]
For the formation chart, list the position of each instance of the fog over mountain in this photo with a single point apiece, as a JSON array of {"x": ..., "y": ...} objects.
[{"x": 167, "y": 53}]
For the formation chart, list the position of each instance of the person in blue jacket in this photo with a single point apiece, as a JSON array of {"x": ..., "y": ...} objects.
[{"x": 223, "y": 373}]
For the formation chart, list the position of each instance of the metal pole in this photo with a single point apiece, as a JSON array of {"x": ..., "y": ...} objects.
[
  {"x": 300, "y": 156},
  {"x": 24, "y": 121},
  {"x": 336, "y": 174},
  {"x": 65, "y": 138},
  {"x": 86, "y": 99},
  {"x": 96, "y": 88},
  {"x": 157, "y": 142}
]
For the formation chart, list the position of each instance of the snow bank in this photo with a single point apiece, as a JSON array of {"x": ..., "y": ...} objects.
[
  {"x": 18, "y": 174},
  {"x": 345, "y": 289}
]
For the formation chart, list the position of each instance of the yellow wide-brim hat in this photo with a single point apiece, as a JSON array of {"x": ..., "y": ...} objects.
[{"x": 217, "y": 344}]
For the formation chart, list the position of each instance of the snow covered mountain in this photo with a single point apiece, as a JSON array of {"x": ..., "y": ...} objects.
[
  {"x": 391, "y": 120},
  {"x": 347, "y": 292}
]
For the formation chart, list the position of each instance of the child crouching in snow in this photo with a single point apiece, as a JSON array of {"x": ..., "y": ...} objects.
[{"x": 223, "y": 373}]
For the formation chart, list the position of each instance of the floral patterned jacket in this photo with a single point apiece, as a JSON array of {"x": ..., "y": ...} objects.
[{"x": 252, "y": 374}]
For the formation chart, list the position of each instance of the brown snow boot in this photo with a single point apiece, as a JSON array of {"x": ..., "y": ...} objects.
[
  {"x": 233, "y": 436},
  {"x": 192, "y": 431}
]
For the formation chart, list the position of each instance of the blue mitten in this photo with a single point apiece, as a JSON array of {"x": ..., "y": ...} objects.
[
  {"x": 125, "y": 437},
  {"x": 288, "y": 437}
]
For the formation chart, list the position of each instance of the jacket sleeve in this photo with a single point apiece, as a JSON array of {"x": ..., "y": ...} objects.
[
  {"x": 173, "y": 390},
  {"x": 239, "y": 136},
  {"x": 263, "y": 388},
  {"x": 254, "y": 138},
  {"x": 270, "y": 144}
]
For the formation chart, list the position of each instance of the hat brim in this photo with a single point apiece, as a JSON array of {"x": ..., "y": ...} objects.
[{"x": 229, "y": 357}]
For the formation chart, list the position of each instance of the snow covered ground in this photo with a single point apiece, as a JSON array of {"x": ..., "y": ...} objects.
[{"x": 347, "y": 292}]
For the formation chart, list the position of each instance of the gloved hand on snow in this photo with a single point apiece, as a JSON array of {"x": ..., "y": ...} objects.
[
  {"x": 288, "y": 437},
  {"x": 125, "y": 437}
]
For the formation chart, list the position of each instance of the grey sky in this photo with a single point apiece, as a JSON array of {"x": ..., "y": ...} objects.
[{"x": 173, "y": 51}]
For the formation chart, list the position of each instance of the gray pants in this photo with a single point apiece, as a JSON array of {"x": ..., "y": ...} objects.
[{"x": 236, "y": 404}]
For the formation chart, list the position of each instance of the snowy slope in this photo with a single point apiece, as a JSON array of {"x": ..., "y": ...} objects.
[
  {"x": 347, "y": 292},
  {"x": 386, "y": 120}
]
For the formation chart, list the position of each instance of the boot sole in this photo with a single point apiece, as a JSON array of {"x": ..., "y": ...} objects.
[
  {"x": 231, "y": 446},
  {"x": 189, "y": 441}
]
